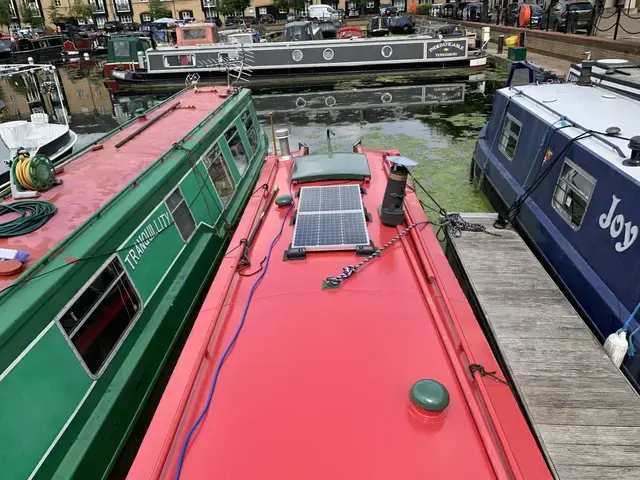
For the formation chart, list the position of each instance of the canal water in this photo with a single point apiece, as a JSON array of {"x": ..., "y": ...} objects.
[{"x": 434, "y": 121}]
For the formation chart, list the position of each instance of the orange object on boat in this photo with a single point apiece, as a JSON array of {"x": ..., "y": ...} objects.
[{"x": 525, "y": 15}]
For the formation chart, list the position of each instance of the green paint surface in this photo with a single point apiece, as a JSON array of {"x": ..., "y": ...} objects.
[{"x": 31, "y": 416}]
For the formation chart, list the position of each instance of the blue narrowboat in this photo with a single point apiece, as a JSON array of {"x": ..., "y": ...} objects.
[{"x": 561, "y": 161}]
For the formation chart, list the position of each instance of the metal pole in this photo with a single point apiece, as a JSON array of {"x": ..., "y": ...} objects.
[
  {"x": 273, "y": 133},
  {"x": 615, "y": 31},
  {"x": 500, "y": 44}
]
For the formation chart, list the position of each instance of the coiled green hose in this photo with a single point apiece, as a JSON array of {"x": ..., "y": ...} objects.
[{"x": 33, "y": 215}]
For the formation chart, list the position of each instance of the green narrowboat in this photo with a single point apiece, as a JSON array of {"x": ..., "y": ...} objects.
[{"x": 141, "y": 223}]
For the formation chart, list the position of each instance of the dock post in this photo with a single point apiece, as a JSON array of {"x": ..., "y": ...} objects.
[
  {"x": 486, "y": 36},
  {"x": 500, "y": 44}
]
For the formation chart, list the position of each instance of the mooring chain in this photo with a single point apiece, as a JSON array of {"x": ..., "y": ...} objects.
[
  {"x": 455, "y": 225},
  {"x": 351, "y": 269}
]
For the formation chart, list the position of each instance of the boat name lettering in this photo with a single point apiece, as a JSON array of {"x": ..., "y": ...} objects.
[
  {"x": 148, "y": 234},
  {"x": 616, "y": 225},
  {"x": 447, "y": 49}
]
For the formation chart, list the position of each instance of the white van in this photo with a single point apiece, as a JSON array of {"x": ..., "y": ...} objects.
[{"x": 323, "y": 12}]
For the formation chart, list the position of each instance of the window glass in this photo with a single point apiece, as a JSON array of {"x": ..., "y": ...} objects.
[
  {"x": 194, "y": 34},
  {"x": 250, "y": 127},
  {"x": 98, "y": 319},
  {"x": 181, "y": 214},
  {"x": 238, "y": 151},
  {"x": 573, "y": 193},
  {"x": 121, "y": 49},
  {"x": 219, "y": 174},
  {"x": 509, "y": 136},
  {"x": 179, "y": 60}
]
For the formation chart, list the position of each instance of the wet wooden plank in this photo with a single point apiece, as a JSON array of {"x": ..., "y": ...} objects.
[{"x": 580, "y": 405}]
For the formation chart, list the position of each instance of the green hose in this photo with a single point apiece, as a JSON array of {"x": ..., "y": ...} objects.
[{"x": 33, "y": 215}]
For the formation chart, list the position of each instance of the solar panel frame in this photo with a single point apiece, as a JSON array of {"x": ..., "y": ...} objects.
[{"x": 330, "y": 217}]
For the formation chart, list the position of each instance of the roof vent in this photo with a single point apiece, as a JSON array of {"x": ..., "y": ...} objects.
[
  {"x": 585, "y": 73},
  {"x": 634, "y": 145}
]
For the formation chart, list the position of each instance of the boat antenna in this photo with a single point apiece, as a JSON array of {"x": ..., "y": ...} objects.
[{"x": 329, "y": 133}]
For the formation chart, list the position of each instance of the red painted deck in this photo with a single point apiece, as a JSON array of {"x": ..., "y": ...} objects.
[
  {"x": 95, "y": 177},
  {"x": 317, "y": 384}
]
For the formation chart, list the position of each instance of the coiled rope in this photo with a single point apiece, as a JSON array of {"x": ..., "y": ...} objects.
[{"x": 33, "y": 215}]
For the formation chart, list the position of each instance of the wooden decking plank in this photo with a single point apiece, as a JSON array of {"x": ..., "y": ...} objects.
[
  {"x": 590, "y": 434},
  {"x": 580, "y": 405}
]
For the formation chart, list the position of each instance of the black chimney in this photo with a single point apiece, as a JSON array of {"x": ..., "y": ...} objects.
[
  {"x": 585, "y": 73},
  {"x": 634, "y": 145},
  {"x": 391, "y": 211}
]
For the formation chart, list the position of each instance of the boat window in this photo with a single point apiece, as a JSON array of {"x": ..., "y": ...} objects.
[
  {"x": 121, "y": 49},
  {"x": 238, "y": 151},
  {"x": 509, "y": 136},
  {"x": 250, "y": 127},
  {"x": 219, "y": 174},
  {"x": 573, "y": 193},
  {"x": 194, "y": 34},
  {"x": 98, "y": 320},
  {"x": 181, "y": 214},
  {"x": 172, "y": 61}
]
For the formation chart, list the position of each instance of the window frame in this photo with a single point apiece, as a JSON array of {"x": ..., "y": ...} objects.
[
  {"x": 125, "y": 333},
  {"x": 166, "y": 65},
  {"x": 558, "y": 207},
  {"x": 239, "y": 135},
  {"x": 227, "y": 171},
  {"x": 184, "y": 200},
  {"x": 501, "y": 148},
  {"x": 249, "y": 114}
]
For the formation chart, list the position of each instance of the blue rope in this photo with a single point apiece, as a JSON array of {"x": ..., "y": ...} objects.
[
  {"x": 629, "y": 320},
  {"x": 631, "y": 350},
  {"x": 231, "y": 343}
]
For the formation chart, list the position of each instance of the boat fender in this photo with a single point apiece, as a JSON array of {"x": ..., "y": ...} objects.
[{"x": 616, "y": 347}]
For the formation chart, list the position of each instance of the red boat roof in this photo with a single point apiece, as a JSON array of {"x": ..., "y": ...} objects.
[
  {"x": 96, "y": 176},
  {"x": 317, "y": 384}
]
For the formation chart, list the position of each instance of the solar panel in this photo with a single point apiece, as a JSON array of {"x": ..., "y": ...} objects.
[{"x": 330, "y": 218}]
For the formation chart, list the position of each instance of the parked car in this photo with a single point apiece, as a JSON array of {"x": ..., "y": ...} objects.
[
  {"x": 267, "y": 18},
  {"x": 401, "y": 24},
  {"x": 567, "y": 15},
  {"x": 390, "y": 11},
  {"x": 459, "y": 8},
  {"x": 384, "y": 6},
  {"x": 113, "y": 26},
  {"x": 232, "y": 20},
  {"x": 131, "y": 27},
  {"x": 322, "y": 12},
  {"x": 472, "y": 12},
  {"x": 512, "y": 14},
  {"x": 291, "y": 17},
  {"x": 448, "y": 10}
]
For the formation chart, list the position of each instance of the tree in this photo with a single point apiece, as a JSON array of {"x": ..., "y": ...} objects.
[
  {"x": 5, "y": 13},
  {"x": 157, "y": 10},
  {"x": 81, "y": 11},
  {"x": 29, "y": 15},
  {"x": 54, "y": 13},
  {"x": 230, "y": 7}
]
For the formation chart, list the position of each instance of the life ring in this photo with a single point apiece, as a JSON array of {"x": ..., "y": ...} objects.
[{"x": 525, "y": 15}]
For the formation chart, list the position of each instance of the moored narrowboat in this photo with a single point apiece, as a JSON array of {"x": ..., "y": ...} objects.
[
  {"x": 335, "y": 342},
  {"x": 38, "y": 48},
  {"x": 562, "y": 162},
  {"x": 92, "y": 301}
]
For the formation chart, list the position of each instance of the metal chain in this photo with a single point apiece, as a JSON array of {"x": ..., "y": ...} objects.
[
  {"x": 455, "y": 225},
  {"x": 351, "y": 269}
]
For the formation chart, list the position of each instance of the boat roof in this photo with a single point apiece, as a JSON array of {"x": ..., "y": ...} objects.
[
  {"x": 95, "y": 176},
  {"x": 552, "y": 101},
  {"x": 317, "y": 384}
]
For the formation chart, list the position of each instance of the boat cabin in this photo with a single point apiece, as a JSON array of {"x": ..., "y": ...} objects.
[
  {"x": 378, "y": 26},
  {"x": 193, "y": 34},
  {"x": 39, "y": 44},
  {"x": 301, "y": 32},
  {"x": 440, "y": 30}
]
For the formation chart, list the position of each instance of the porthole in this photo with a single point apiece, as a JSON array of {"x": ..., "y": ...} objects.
[
  {"x": 301, "y": 102},
  {"x": 328, "y": 54},
  {"x": 297, "y": 55},
  {"x": 386, "y": 51},
  {"x": 330, "y": 101},
  {"x": 386, "y": 97}
]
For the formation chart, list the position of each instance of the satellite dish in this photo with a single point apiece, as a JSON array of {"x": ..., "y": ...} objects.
[{"x": 404, "y": 161}]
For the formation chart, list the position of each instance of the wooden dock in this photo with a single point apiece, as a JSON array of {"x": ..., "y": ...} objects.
[{"x": 581, "y": 407}]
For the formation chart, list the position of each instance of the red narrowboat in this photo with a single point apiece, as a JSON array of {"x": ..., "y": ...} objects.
[{"x": 336, "y": 343}]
